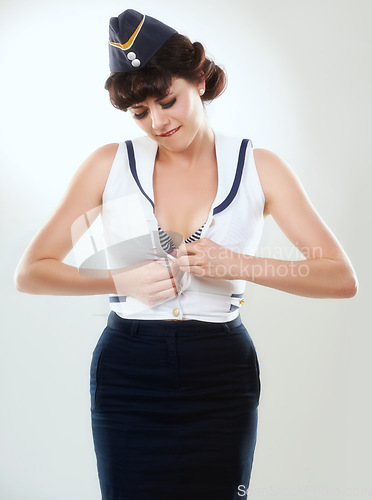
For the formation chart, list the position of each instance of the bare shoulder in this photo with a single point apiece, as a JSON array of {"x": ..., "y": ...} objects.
[
  {"x": 107, "y": 150},
  {"x": 276, "y": 176},
  {"x": 102, "y": 158},
  {"x": 68, "y": 221},
  {"x": 95, "y": 169}
]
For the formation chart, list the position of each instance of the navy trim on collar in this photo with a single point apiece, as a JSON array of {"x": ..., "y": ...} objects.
[
  {"x": 133, "y": 169},
  {"x": 229, "y": 198},
  {"x": 238, "y": 177}
]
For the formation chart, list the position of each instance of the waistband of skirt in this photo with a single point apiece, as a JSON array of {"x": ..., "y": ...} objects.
[{"x": 158, "y": 327}]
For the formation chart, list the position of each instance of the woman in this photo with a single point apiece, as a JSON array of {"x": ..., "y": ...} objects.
[{"x": 175, "y": 382}]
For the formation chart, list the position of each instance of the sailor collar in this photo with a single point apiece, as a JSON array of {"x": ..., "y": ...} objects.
[{"x": 230, "y": 154}]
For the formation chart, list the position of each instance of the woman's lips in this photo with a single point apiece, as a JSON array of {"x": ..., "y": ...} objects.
[{"x": 170, "y": 132}]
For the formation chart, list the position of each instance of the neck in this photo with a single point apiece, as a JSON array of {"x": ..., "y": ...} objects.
[{"x": 201, "y": 147}]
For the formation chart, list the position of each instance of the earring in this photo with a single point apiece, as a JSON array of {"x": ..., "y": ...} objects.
[{"x": 201, "y": 91}]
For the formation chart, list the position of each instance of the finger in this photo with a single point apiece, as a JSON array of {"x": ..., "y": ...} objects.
[
  {"x": 187, "y": 248},
  {"x": 177, "y": 274},
  {"x": 189, "y": 260},
  {"x": 196, "y": 270},
  {"x": 164, "y": 295},
  {"x": 163, "y": 285},
  {"x": 163, "y": 270},
  {"x": 170, "y": 271},
  {"x": 173, "y": 270}
]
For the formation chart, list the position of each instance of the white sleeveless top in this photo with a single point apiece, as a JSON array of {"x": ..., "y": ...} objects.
[{"x": 132, "y": 234}]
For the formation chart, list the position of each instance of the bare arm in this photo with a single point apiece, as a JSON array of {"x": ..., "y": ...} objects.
[
  {"x": 41, "y": 270},
  {"x": 326, "y": 272}
]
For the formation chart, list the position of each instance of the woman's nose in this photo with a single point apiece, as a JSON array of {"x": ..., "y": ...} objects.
[{"x": 159, "y": 119}]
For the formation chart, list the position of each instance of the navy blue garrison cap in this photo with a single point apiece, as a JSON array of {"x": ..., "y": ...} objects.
[{"x": 134, "y": 39}]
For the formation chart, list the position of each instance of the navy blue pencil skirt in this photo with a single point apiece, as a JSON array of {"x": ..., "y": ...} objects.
[{"x": 174, "y": 408}]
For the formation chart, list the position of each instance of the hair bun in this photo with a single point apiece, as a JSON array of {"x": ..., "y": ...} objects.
[{"x": 178, "y": 57}]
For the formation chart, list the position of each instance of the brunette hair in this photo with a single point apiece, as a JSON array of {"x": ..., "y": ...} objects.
[{"x": 179, "y": 58}]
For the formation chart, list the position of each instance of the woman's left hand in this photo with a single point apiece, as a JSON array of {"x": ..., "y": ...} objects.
[{"x": 206, "y": 258}]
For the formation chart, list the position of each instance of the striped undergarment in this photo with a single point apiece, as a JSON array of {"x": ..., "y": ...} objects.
[{"x": 168, "y": 244}]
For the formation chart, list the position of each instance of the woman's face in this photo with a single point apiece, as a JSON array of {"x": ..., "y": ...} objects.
[{"x": 174, "y": 121}]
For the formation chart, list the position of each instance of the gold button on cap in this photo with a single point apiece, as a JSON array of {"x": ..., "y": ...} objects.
[
  {"x": 212, "y": 223},
  {"x": 176, "y": 312}
]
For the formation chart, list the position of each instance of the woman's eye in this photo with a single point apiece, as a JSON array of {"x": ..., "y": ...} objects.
[
  {"x": 168, "y": 104},
  {"x": 138, "y": 116}
]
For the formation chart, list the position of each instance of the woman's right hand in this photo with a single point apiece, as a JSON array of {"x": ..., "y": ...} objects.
[{"x": 151, "y": 283}]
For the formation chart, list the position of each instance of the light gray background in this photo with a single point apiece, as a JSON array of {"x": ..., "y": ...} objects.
[{"x": 299, "y": 84}]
